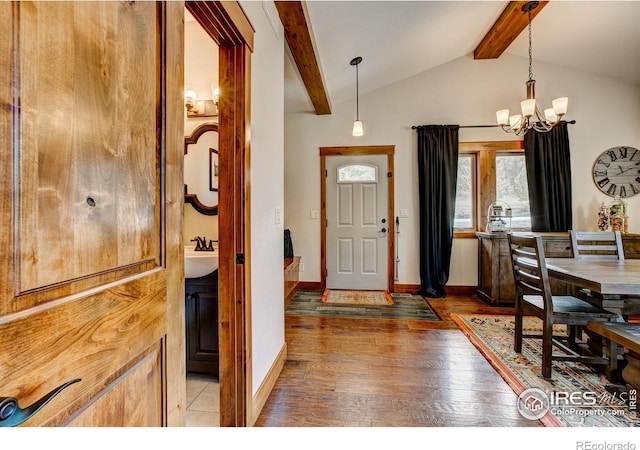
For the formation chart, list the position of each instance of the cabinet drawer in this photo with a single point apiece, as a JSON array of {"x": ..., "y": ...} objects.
[{"x": 557, "y": 249}]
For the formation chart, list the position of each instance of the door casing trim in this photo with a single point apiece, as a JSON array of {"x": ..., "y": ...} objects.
[{"x": 325, "y": 152}]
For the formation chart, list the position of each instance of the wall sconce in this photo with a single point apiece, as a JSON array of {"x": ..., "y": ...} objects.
[
  {"x": 200, "y": 108},
  {"x": 216, "y": 94},
  {"x": 190, "y": 95}
]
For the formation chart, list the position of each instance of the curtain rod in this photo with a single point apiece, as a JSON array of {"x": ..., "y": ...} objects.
[{"x": 572, "y": 122}]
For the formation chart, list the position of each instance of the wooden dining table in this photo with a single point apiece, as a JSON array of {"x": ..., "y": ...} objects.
[{"x": 615, "y": 285}]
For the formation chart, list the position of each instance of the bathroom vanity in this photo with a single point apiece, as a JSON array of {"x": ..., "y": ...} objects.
[{"x": 201, "y": 311}]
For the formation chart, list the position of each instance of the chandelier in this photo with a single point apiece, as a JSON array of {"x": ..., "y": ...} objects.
[{"x": 531, "y": 117}]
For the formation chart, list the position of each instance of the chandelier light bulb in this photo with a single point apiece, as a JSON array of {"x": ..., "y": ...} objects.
[
  {"x": 503, "y": 117},
  {"x": 560, "y": 105}
]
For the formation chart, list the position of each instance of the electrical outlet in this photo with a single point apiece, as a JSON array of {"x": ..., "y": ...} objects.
[
  {"x": 278, "y": 216},
  {"x": 301, "y": 267}
]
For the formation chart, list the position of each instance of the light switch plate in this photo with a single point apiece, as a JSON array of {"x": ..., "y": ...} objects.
[
  {"x": 404, "y": 213},
  {"x": 278, "y": 216},
  {"x": 315, "y": 214}
]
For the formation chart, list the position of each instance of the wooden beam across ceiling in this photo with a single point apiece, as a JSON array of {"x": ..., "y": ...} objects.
[
  {"x": 297, "y": 30},
  {"x": 505, "y": 30}
]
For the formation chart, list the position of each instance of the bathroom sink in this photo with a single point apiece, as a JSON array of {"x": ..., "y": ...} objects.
[{"x": 199, "y": 263}]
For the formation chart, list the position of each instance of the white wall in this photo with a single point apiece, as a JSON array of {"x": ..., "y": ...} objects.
[
  {"x": 464, "y": 92},
  {"x": 267, "y": 189}
]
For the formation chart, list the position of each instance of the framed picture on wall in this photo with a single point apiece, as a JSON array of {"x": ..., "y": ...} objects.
[{"x": 213, "y": 170}]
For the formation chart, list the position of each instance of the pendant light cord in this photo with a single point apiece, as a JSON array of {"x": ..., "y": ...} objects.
[{"x": 357, "y": 95}]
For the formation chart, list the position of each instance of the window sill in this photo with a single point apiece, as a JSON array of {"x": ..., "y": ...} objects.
[{"x": 464, "y": 235}]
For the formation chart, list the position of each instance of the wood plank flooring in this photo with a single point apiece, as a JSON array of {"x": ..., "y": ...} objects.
[{"x": 386, "y": 372}]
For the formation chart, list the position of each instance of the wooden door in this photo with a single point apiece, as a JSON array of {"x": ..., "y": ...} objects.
[
  {"x": 91, "y": 158},
  {"x": 357, "y": 222}
]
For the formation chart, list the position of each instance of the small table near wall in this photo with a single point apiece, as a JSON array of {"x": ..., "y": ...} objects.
[{"x": 291, "y": 277}]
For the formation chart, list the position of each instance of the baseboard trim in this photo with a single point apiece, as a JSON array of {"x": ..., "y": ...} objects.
[
  {"x": 461, "y": 290},
  {"x": 450, "y": 290},
  {"x": 262, "y": 394},
  {"x": 310, "y": 285},
  {"x": 406, "y": 288}
]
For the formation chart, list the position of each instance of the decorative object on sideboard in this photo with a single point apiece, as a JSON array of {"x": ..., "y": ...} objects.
[
  {"x": 618, "y": 218},
  {"x": 531, "y": 117},
  {"x": 499, "y": 218},
  {"x": 603, "y": 217}
]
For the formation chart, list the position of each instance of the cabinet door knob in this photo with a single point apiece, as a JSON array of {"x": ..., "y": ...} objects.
[{"x": 12, "y": 415}]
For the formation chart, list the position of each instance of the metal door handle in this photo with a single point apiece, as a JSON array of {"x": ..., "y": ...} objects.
[{"x": 12, "y": 415}]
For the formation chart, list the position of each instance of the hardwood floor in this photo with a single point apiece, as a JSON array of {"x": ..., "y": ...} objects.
[{"x": 384, "y": 372}]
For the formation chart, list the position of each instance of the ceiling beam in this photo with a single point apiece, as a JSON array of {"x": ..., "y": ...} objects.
[
  {"x": 505, "y": 30},
  {"x": 297, "y": 30}
]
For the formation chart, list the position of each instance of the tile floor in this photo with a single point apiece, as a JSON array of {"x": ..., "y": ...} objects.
[{"x": 203, "y": 401}]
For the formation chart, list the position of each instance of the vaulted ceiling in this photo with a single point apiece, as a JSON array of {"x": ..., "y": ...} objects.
[{"x": 399, "y": 39}]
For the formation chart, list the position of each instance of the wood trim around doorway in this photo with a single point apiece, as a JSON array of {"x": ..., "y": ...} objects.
[
  {"x": 232, "y": 31},
  {"x": 388, "y": 150}
]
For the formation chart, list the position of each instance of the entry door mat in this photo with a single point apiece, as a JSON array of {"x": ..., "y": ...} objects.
[
  {"x": 405, "y": 306},
  {"x": 358, "y": 298},
  {"x": 591, "y": 405}
]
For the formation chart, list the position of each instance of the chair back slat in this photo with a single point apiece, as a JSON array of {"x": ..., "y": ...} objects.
[
  {"x": 597, "y": 245},
  {"x": 529, "y": 267}
]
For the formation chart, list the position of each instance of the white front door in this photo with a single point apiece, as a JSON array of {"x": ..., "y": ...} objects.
[{"x": 357, "y": 222}]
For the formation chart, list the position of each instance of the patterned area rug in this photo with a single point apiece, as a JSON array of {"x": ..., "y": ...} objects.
[
  {"x": 366, "y": 298},
  {"x": 405, "y": 306},
  {"x": 575, "y": 396}
]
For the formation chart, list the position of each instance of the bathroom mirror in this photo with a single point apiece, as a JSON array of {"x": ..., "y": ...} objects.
[{"x": 201, "y": 169}]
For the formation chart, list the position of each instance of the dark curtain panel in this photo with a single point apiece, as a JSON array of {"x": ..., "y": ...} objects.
[
  {"x": 549, "y": 178},
  {"x": 437, "y": 176}
]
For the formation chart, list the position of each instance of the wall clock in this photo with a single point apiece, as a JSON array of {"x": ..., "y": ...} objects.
[{"x": 616, "y": 172}]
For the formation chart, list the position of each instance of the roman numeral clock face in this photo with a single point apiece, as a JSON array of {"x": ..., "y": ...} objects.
[{"x": 616, "y": 172}]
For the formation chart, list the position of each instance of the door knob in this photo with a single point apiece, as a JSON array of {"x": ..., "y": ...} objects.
[
  {"x": 12, "y": 415},
  {"x": 384, "y": 230}
]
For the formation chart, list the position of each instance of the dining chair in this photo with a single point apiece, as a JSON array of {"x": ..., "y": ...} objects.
[
  {"x": 597, "y": 245},
  {"x": 534, "y": 298}
]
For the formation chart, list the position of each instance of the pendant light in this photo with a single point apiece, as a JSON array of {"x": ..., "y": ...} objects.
[
  {"x": 531, "y": 117},
  {"x": 357, "y": 125}
]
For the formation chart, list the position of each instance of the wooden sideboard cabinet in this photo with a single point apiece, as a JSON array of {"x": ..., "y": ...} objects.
[
  {"x": 201, "y": 311},
  {"x": 495, "y": 278},
  {"x": 291, "y": 277}
]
